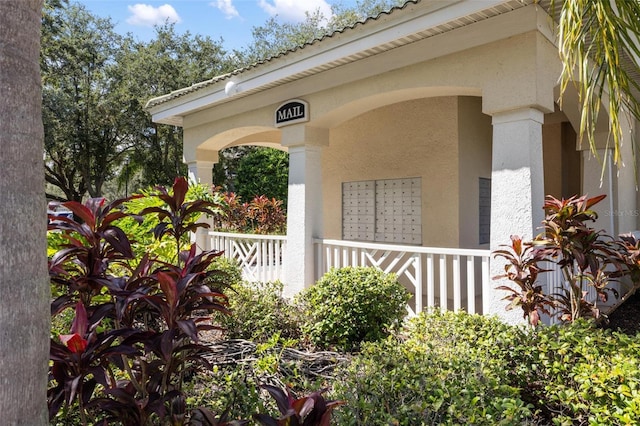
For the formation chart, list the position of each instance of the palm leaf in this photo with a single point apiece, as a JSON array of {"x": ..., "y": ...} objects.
[{"x": 600, "y": 51}]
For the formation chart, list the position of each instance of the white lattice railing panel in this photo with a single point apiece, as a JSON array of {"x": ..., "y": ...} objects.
[
  {"x": 452, "y": 279},
  {"x": 260, "y": 256}
]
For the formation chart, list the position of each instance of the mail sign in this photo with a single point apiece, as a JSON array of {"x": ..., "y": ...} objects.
[{"x": 291, "y": 112}]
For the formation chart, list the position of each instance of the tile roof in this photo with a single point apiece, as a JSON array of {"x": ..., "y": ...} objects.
[{"x": 197, "y": 86}]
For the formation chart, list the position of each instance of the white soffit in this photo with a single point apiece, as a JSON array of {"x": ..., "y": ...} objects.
[{"x": 414, "y": 21}]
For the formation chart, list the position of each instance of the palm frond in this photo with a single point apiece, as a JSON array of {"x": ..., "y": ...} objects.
[{"x": 600, "y": 52}]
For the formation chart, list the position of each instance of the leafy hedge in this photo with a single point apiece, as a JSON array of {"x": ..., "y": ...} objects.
[
  {"x": 351, "y": 305},
  {"x": 580, "y": 374},
  {"x": 449, "y": 369},
  {"x": 456, "y": 368},
  {"x": 259, "y": 312}
]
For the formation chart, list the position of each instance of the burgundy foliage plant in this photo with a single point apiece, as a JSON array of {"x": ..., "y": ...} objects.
[
  {"x": 135, "y": 334},
  {"x": 587, "y": 259}
]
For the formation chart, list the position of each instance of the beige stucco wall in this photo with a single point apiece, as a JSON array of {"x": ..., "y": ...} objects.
[
  {"x": 416, "y": 138},
  {"x": 475, "y": 133}
]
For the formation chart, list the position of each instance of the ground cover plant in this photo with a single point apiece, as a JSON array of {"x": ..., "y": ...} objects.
[
  {"x": 456, "y": 368},
  {"x": 446, "y": 368}
]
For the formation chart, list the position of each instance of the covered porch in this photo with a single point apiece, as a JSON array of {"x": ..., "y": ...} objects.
[{"x": 418, "y": 142}]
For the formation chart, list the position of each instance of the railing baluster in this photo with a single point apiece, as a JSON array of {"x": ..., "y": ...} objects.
[
  {"x": 457, "y": 290},
  {"x": 471, "y": 285},
  {"x": 259, "y": 264},
  {"x": 486, "y": 288},
  {"x": 417, "y": 263},
  {"x": 270, "y": 261},
  {"x": 443, "y": 282},
  {"x": 431, "y": 287}
]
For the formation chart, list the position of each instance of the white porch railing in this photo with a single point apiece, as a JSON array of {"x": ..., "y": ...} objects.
[
  {"x": 259, "y": 256},
  {"x": 449, "y": 278}
]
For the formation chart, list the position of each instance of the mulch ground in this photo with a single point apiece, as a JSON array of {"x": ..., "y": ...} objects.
[{"x": 626, "y": 318}]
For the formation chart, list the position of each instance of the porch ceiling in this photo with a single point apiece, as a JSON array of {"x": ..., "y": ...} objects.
[{"x": 415, "y": 20}]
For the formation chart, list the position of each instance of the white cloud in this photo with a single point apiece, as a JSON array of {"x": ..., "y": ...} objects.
[
  {"x": 226, "y": 7},
  {"x": 145, "y": 15},
  {"x": 294, "y": 10}
]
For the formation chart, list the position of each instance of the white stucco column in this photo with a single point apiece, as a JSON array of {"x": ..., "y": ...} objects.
[
  {"x": 304, "y": 205},
  {"x": 517, "y": 192},
  {"x": 627, "y": 194},
  {"x": 618, "y": 213},
  {"x": 200, "y": 171},
  {"x": 596, "y": 181}
]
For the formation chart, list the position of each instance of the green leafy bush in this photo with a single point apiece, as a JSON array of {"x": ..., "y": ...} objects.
[
  {"x": 450, "y": 369},
  {"x": 263, "y": 171},
  {"x": 260, "y": 312},
  {"x": 231, "y": 388},
  {"x": 229, "y": 272},
  {"x": 580, "y": 374},
  {"x": 351, "y": 305}
]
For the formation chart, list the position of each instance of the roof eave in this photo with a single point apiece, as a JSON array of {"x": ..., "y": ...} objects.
[{"x": 385, "y": 30}]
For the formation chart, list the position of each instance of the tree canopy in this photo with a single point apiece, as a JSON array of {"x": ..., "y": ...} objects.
[
  {"x": 83, "y": 140},
  {"x": 275, "y": 37},
  {"x": 96, "y": 82},
  {"x": 263, "y": 171},
  {"x": 95, "y": 85}
]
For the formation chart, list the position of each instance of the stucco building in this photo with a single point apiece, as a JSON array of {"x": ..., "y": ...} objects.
[{"x": 434, "y": 125}]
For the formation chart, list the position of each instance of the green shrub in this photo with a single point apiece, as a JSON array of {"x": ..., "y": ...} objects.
[
  {"x": 259, "y": 312},
  {"x": 352, "y": 305},
  {"x": 572, "y": 374},
  {"x": 580, "y": 374},
  {"x": 441, "y": 373},
  {"x": 233, "y": 387},
  {"x": 228, "y": 272}
]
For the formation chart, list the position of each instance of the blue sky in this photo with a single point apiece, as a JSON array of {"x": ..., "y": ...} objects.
[{"x": 230, "y": 19}]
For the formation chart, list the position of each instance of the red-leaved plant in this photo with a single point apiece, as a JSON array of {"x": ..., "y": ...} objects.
[
  {"x": 522, "y": 269},
  {"x": 586, "y": 257},
  {"x": 261, "y": 215},
  {"x": 266, "y": 215},
  {"x": 135, "y": 332},
  {"x": 311, "y": 410}
]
